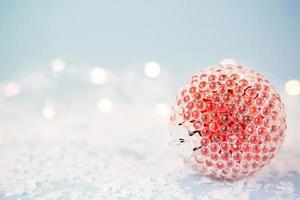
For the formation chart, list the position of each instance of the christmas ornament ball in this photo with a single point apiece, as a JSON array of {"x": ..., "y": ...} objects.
[{"x": 227, "y": 122}]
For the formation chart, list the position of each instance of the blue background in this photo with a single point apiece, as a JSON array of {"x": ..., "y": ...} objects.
[{"x": 181, "y": 35}]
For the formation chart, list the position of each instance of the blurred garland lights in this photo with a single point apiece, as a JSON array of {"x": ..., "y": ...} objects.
[
  {"x": 12, "y": 89},
  {"x": 99, "y": 76},
  {"x": 58, "y": 65},
  {"x": 49, "y": 112},
  {"x": 162, "y": 109},
  {"x": 152, "y": 69},
  {"x": 292, "y": 87},
  {"x": 105, "y": 105},
  {"x": 49, "y": 109}
]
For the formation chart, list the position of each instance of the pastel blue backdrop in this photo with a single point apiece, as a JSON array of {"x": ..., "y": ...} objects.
[{"x": 180, "y": 35}]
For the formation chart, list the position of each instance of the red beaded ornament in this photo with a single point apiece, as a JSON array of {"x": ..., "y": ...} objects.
[{"x": 228, "y": 122}]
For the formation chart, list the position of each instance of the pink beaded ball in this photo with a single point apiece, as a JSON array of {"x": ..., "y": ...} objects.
[{"x": 227, "y": 122}]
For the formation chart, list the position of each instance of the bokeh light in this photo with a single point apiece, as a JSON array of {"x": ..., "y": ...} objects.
[
  {"x": 228, "y": 61},
  {"x": 162, "y": 109},
  {"x": 292, "y": 87},
  {"x": 152, "y": 69},
  {"x": 58, "y": 65},
  {"x": 98, "y": 75},
  {"x": 12, "y": 89},
  {"x": 49, "y": 112},
  {"x": 105, "y": 105}
]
